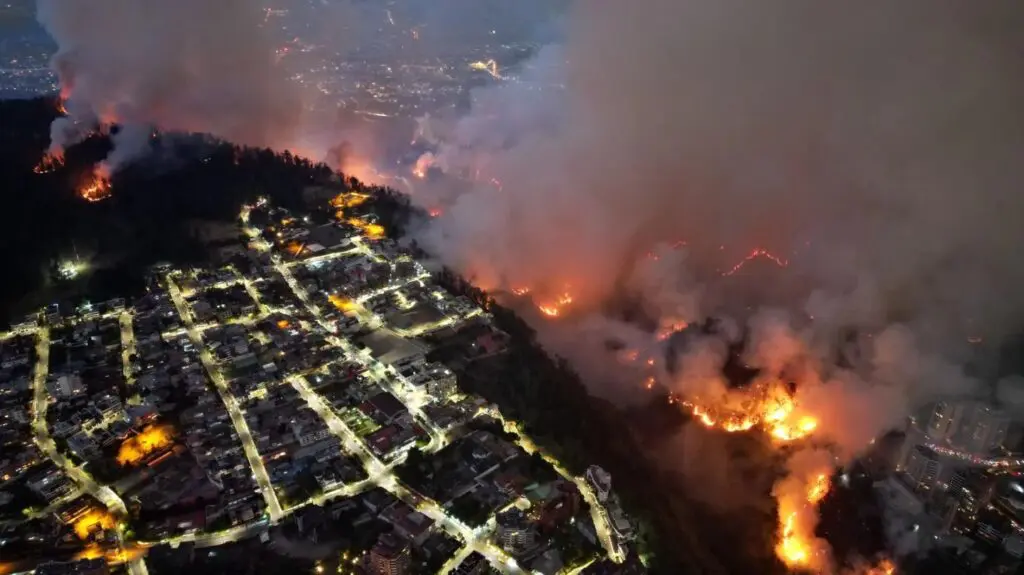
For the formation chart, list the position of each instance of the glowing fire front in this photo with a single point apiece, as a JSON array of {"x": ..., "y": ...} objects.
[
  {"x": 347, "y": 200},
  {"x": 49, "y": 163},
  {"x": 96, "y": 187},
  {"x": 555, "y": 308},
  {"x": 766, "y": 405}
]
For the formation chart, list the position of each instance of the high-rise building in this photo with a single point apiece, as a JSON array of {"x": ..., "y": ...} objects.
[
  {"x": 514, "y": 532},
  {"x": 390, "y": 556},
  {"x": 600, "y": 480},
  {"x": 923, "y": 466},
  {"x": 971, "y": 427},
  {"x": 982, "y": 429}
]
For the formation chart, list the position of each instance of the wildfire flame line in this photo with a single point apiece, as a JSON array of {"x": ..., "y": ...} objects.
[
  {"x": 758, "y": 253},
  {"x": 96, "y": 188}
]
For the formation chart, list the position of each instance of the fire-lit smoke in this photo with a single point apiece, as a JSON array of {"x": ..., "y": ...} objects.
[
  {"x": 180, "y": 66},
  {"x": 839, "y": 179}
]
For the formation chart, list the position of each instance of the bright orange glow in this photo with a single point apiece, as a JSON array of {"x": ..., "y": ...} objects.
[
  {"x": 818, "y": 489},
  {"x": 95, "y": 188},
  {"x": 792, "y": 549},
  {"x": 668, "y": 328},
  {"x": 423, "y": 164},
  {"x": 768, "y": 405},
  {"x": 372, "y": 231},
  {"x": 342, "y": 303},
  {"x": 284, "y": 324},
  {"x": 151, "y": 439},
  {"x": 554, "y": 309},
  {"x": 93, "y": 519},
  {"x": 884, "y": 567},
  {"x": 49, "y": 163},
  {"x": 294, "y": 248},
  {"x": 346, "y": 200},
  {"x": 520, "y": 291},
  {"x": 113, "y": 556},
  {"x": 435, "y": 212},
  {"x": 758, "y": 253}
]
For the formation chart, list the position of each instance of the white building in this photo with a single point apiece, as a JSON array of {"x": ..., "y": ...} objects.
[{"x": 601, "y": 481}]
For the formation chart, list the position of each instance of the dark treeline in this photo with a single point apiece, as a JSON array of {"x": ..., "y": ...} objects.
[{"x": 147, "y": 220}]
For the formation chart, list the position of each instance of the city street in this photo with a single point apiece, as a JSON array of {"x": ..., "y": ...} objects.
[
  {"x": 43, "y": 440},
  {"x": 237, "y": 418}
]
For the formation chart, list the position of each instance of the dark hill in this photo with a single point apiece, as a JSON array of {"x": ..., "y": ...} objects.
[{"x": 146, "y": 220}]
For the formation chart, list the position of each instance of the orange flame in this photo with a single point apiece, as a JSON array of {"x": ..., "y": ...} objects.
[
  {"x": 347, "y": 200},
  {"x": 757, "y": 253},
  {"x": 792, "y": 549},
  {"x": 342, "y": 303},
  {"x": 95, "y": 188},
  {"x": 372, "y": 231},
  {"x": 92, "y": 520},
  {"x": 768, "y": 405},
  {"x": 555, "y": 308},
  {"x": 151, "y": 439},
  {"x": 49, "y": 163}
]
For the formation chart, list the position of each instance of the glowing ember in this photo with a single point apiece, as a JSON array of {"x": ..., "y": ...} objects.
[
  {"x": 153, "y": 438},
  {"x": 435, "y": 212},
  {"x": 819, "y": 489},
  {"x": 284, "y": 324},
  {"x": 758, "y": 253},
  {"x": 294, "y": 248},
  {"x": 49, "y": 163},
  {"x": 521, "y": 291}
]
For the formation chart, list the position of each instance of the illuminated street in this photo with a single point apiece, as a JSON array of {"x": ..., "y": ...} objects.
[
  {"x": 40, "y": 403},
  {"x": 241, "y": 427}
]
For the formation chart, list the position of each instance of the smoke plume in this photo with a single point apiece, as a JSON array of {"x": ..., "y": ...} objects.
[
  {"x": 870, "y": 145},
  {"x": 183, "y": 66}
]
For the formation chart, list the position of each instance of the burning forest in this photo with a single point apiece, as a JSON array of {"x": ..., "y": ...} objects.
[
  {"x": 830, "y": 222},
  {"x": 850, "y": 209}
]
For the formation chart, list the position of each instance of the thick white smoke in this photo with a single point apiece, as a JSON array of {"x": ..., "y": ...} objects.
[
  {"x": 872, "y": 145},
  {"x": 186, "y": 65}
]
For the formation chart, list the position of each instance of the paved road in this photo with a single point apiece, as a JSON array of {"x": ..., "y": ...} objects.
[
  {"x": 220, "y": 384},
  {"x": 41, "y": 433}
]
